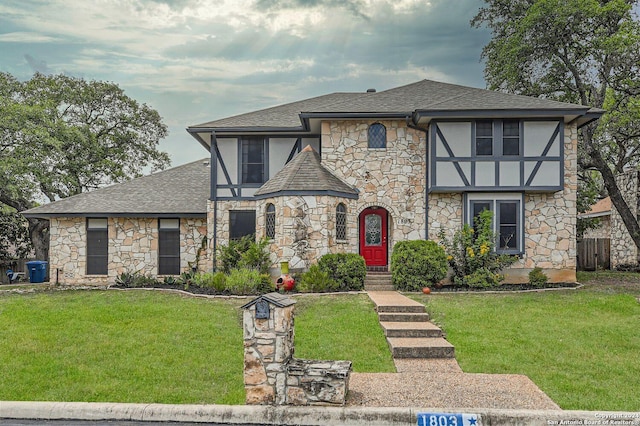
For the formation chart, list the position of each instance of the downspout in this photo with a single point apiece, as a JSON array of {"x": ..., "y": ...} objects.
[
  {"x": 213, "y": 149},
  {"x": 426, "y": 174}
]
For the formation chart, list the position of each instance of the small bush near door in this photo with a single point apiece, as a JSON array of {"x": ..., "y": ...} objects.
[
  {"x": 348, "y": 270},
  {"x": 417, "y": 264}
]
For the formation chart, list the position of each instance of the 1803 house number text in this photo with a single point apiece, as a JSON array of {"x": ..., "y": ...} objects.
[{"x": 448, "y": 419}]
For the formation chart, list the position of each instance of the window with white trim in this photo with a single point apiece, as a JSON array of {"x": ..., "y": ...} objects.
[{"x": 507, "y": 218}]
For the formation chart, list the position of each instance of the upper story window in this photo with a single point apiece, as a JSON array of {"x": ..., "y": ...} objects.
[
  {"x": 341, "y": 222},
  {"x": 511, "y": 137},
  {"x": 484, "y": 137},
  {"x": 270, "y": 221},
  {"x": 377, "y": 136},
  {"x": 252, "y": 160}
]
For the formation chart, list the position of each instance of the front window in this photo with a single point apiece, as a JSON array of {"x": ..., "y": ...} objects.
[
  {"x": 506, "y": 223},
  {"x": 241, "y": 223},
  {"x": 169, "y": 247},
  {"x": 97, "y": 246},
  {"x": 252, "y": 160}
]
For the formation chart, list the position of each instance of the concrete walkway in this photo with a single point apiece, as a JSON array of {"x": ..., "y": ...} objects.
[{"x": 435, "y": 381}]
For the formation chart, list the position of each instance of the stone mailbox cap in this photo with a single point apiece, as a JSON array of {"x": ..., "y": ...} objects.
[{"x": 280, "y": 300}]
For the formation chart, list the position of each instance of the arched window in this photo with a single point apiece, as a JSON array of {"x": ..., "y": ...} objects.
[
  {"x": 377, "y": 136},
  {"x": 270, "y": 221},
  {"x": 341, "y": 222}
]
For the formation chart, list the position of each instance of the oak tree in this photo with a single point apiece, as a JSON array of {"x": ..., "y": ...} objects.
[
  {"x": 61, "y": 136},
  {"x": 580, "y": 51}
]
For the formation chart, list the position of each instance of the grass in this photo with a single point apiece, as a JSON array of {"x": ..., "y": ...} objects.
[
  {"x": 580, "y": 347},
  {"x": 142, "y": 346},
  {"x": 342, "y": 327}
]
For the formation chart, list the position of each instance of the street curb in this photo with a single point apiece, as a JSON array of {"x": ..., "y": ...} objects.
[{"x": 287, "y": 415}]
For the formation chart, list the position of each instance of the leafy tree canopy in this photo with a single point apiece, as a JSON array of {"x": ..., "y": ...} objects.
[
  {"x": 579, "y": 51},
  {"x": 61, "y": 135}
]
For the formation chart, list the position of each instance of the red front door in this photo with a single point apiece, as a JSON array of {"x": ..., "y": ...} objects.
[{"x": 373, "y": 236}]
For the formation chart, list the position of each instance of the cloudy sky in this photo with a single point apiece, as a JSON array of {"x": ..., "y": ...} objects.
[{"x": 199, "y": 60}]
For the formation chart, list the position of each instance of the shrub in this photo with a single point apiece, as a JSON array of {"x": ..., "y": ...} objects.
[
  {"x": 315, "y": 280},
  {"x": 215, "y": 280},
  {"x": 348, "y": 270},
  {"x": 471, "y": 250},
  {"x": 248, "y": 281},
  {"x": 135, "y": 280},
  {"x": 244, "y": 253},
  {"x": 229, "y": 256},
  {"x": 256, "y": 257},
  {"x": 417, "y": 264},
  {"x": 482, "y": 278},
  {"x": 537, "y": 278}
]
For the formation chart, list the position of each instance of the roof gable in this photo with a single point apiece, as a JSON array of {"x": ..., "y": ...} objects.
[{"x": 305, "y": 175}]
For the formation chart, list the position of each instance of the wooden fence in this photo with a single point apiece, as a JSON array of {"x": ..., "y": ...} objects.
[{"x": 594, "y": 253}]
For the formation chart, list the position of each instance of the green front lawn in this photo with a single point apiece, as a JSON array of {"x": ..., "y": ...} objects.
[
  {"x": 580, "y": 347},
  {"x": 142, "y": 346}
]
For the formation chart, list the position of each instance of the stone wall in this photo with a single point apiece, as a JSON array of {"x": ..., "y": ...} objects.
[
  {"x": 393, "y": 178},
  {"x": 603, "y": 230},
  {"x": 272, "y": 376},
  {"x": 623, "y": 249},
  {"x": 133, "y": 247},
  {"x": 306, "y": 229}
]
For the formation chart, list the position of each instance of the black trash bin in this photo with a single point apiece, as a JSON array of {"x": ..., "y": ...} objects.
[{"x": 37, "y": 271}]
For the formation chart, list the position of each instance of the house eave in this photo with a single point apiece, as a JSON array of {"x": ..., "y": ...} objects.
[
  {"x": 307, "y": 192},
  {"x": 120, "y": 214}
]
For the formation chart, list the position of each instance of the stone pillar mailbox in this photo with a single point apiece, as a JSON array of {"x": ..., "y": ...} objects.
[{"x": 271, "y": 374}]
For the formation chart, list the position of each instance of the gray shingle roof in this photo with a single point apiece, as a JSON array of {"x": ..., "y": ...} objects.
[
  {"x": 425, "y": 95},
  {"x": 305, "y": 175},
  {"x": 182, "y": 190}
]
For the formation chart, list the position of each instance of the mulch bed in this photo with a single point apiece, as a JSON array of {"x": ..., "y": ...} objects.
[{"x": 450, "y": 288}]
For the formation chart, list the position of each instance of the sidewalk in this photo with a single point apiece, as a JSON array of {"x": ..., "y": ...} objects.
[{"x": 281, "y": 415}]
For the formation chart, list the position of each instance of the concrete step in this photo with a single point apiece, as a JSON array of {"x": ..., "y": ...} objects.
[
  {"x": 377, "y": 280},
  {"x": 378, "y": 287},
  {"x": 415, "y": 309},
  {"x": 403, "y": 317},
  {"x": 420, "y": 347},
  {"x": 411, "y": 329}
]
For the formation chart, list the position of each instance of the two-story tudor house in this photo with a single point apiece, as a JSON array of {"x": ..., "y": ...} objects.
[{"x": 344, "y": 172}]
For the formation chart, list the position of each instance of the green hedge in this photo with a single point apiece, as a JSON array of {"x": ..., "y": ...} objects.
[
  {"x": 417, "y": 264},
  {"x": 348, "y": 270}
]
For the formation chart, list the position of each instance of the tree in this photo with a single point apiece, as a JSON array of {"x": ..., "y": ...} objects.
[
  {"x": 579, "y": 51},
  {"x": 61, "y": 135}
]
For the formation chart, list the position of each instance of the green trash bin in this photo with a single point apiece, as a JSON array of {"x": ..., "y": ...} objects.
[{"x": 37, "y": 271}]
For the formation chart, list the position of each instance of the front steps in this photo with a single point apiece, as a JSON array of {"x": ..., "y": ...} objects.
[
  {"x": 407, "y": 328},
  {"x": 378, "y": 281}
]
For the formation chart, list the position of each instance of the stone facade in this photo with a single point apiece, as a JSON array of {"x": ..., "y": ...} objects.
[
  {"x": 395, "y": 179},
  {"x": 623, "y": 249},
  {"x": 549, "y": 223},
  {"x": 272, "y": 376},
  {"x": 133, "y": 247}
]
